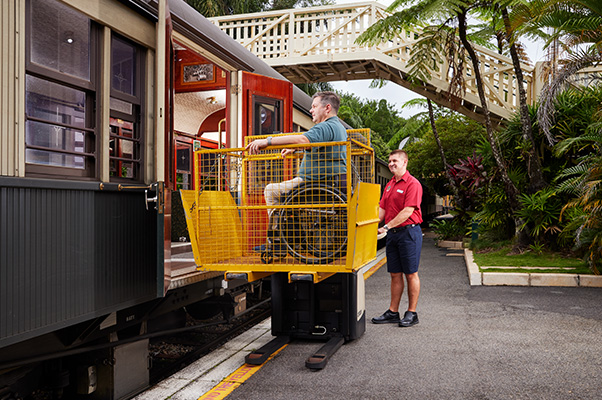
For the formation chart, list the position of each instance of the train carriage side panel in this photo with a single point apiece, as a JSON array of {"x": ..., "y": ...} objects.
[
  {"x": 74, "y": 246},
  {"x": 70, "y": 252}
]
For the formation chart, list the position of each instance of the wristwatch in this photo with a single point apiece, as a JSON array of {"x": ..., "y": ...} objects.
[
  {"x": 269, "y": 139},
  {"x": 385, "y": 227}
]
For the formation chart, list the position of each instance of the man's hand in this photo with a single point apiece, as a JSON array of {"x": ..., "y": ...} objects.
[
  {"x": 256, "y": 145},
  {"x": 286, "y": 152}
]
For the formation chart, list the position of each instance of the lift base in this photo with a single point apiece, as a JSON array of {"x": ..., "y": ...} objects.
[
  {"x": 318, "y": 360},
  {"x": 261, "y": 355}
]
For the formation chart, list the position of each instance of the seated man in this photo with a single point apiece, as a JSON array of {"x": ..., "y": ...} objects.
[{"x": 318, "y": 163}]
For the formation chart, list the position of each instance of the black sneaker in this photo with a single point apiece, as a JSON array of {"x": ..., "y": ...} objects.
[
  {"x": 409, "y": 318},
  {"x": 389, "y": 317}
]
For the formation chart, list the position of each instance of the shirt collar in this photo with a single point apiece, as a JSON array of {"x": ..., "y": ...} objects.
[{"x": 404, "y": 177}]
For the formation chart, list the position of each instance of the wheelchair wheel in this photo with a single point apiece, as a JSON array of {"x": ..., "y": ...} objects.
[{"x": 315, "y": 229}]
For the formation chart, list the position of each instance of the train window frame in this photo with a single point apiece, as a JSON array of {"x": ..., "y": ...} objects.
[
  {"x": 183, "y": 144},
  {"x": 91, "y": 90},
  {"x": 118, "y": 110},
  {"x": 277, "y": 103}
]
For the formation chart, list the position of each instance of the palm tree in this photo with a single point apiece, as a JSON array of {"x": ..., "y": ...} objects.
[
  {"x": 534, "y": 168},
  {"x": 497, "y": 16},
  {"x": 575, "y": 24},
  {"x": 583, "y": 179},
  {"x": 451, "y": 18}
]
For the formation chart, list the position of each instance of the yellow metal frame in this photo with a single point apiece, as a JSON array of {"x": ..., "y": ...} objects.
[{"x": 221, "y": 220}]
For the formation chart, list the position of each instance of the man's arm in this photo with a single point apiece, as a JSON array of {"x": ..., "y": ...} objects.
[
  {"x": 399, "y": 219},
  {"x": 381, "y": 217},
  {"x": 257, "y": 145}
]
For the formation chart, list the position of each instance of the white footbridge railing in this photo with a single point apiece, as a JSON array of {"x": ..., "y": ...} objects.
[{"x": 318, "y": 45}]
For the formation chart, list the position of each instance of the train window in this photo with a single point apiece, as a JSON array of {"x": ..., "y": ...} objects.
[
  {"x": 60, "y": 38},
  {"x": 55, "y": 131},
  {"x": 123, "y": 152},
  {"x": 124, "y": 66},
  {"x": 63, "y": 90},
  {"x": 59, "y": 91},
  {"x": 125, "y": 157},
  {"x": 267, "y": 115},
  {"x": 183, "y": 165}
]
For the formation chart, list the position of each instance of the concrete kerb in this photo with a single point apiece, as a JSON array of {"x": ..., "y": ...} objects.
[{"x": 478, "y": 278}]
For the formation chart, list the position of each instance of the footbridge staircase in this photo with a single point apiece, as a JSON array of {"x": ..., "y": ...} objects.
[{"x": 317, "y": 44}]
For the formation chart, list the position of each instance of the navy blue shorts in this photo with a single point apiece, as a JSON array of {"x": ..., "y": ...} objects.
[{"x": 403, "y": 250}]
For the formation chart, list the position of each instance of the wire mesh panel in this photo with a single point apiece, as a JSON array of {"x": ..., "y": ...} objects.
[{"x": 284, "y": 209}]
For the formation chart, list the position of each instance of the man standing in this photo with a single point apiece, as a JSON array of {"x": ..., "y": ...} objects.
[
  {"x": 318, "y": 162},
  {"x": 400, "y": 209}
]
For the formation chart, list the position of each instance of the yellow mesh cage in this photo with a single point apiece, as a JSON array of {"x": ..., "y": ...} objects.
[{"x": 312, "y": 210}]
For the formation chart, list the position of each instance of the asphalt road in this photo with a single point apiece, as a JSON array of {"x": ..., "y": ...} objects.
[{"x": 471, "y": 343}]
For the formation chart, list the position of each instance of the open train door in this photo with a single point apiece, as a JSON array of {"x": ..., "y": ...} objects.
[
  {"x": 267, "y": 109},
  {"x": 267, "y": 105}
]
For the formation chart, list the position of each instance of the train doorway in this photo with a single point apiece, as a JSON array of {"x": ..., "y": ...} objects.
[{"x": 200, "y": 106}]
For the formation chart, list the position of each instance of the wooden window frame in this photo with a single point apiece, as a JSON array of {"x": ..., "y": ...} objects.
[
  {"x": 138, "y": 110},
  {"x": 92, "y": 91}
]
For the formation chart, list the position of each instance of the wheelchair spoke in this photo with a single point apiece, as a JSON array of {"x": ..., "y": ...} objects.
[{"x": 314, "y": 234}]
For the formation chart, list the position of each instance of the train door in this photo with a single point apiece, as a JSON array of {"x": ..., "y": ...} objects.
[
  {"x": 267, "y": 105},
  {"x": 200, "y": 106},
  {"x": 267, "y": 109}
]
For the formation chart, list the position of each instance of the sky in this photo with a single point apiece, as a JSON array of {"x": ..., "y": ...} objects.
[{"x": 395, "y": 94}]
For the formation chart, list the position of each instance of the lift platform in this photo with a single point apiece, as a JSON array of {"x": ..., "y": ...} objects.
[{"x": 311, "y": 241}]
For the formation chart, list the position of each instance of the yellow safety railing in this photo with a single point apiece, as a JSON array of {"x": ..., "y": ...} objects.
[{"x": 323, "y": 223}]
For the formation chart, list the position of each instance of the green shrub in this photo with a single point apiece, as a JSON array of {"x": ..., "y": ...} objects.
[{"x": 450, "y": 229}]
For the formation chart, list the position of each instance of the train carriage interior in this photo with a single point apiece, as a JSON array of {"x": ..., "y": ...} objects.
[{"x": 199, "y": 115}]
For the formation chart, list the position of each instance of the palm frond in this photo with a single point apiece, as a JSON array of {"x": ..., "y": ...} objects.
[{"x": 545, "y": 113}]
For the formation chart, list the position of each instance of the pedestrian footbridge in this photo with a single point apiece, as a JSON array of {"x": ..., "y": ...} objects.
[{"x": 318, "y": 45}]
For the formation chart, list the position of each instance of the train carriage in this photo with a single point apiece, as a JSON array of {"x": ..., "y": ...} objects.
[{"x": 102, "y": 104}]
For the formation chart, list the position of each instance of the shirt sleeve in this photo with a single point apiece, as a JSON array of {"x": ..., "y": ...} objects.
[
  {"x": 413, "y": 194},
  {"x": 314, "y": 134}
]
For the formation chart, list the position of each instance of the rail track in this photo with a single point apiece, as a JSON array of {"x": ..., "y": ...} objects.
[{"x": 177, "y": 348}]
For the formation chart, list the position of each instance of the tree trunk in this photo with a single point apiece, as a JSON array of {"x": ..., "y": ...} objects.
[
  {"x": 441, "y": 151},
  {"x": 536, "y": 179},
  {"x": 510, "y": 189}
]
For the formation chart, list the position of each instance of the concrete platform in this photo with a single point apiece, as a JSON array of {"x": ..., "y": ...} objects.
[{"x": 472, "y": 342}]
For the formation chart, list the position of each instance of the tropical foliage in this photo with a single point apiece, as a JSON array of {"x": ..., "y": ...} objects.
[
  {"x": 215, "y": 8},
  {"x": 380, "y": 116},
  {"x": 459, "y": 137}
]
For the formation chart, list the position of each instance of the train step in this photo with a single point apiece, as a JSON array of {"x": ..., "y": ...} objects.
[{"x": 180, "y": 247}]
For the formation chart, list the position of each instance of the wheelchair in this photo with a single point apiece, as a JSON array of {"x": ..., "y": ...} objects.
[{"x": 312, "y": 225}]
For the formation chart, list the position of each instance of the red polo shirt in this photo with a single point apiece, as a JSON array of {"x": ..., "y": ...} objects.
[{"x": 399, "y": 195}]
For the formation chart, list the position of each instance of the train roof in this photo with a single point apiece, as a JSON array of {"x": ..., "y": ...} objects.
[{"x": 189, "y": 22}]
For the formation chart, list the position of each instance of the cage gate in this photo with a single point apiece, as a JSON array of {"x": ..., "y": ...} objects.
[{"x": 253, "y": 215}]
